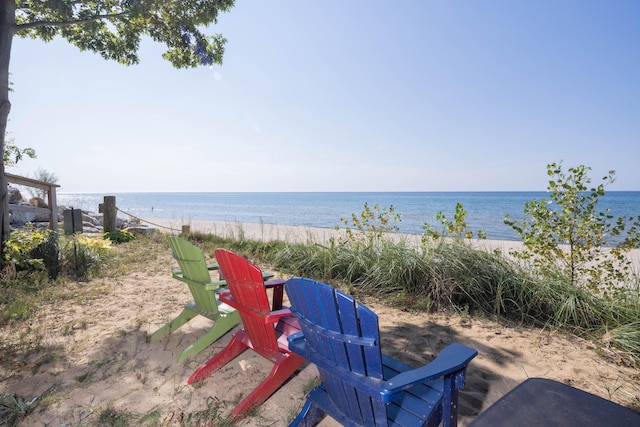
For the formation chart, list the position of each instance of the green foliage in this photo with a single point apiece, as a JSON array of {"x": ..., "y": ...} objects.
[
  {"x": 626, "y": 337},
  {"x": 31, "y": 249},
  {"x": 119, "y": 236},
  {"x": 22, "y": 244},
  {"x": 18, "y": 308},
  {"x": 455, "y": 276},
  {"x": 456, "y": 228},
  {"x": 567, "y": 236},
  {"x": 82, "y": 255},
  {"x": 369, "y": 227},
  {"x": 110, "y": 417},
  {"x": 14, "y": 154},
  {"x": 49, "y": 252},
  {"x": 113, "y": 29}
]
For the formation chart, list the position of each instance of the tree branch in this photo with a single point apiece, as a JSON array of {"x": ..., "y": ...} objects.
[{"x": 37, "y": 24}]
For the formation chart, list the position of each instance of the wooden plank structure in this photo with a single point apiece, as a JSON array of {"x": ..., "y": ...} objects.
[{"x": 52, "y": 206}]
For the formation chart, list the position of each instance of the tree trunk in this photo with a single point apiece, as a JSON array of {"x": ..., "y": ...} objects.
[{"x": 7, "y": 31}]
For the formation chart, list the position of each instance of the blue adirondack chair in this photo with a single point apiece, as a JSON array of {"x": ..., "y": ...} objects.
[{"x": 360, "y": 385}]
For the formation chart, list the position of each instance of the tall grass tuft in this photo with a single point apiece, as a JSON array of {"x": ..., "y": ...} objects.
[
  {"x": 626, "y": 337},
  {"x": 451, "y": 274}
]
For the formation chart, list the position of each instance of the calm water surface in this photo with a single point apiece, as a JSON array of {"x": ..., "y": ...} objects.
[{"x": 485, "y": 210}]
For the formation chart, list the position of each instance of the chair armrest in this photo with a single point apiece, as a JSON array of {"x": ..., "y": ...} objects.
[
  {"x": 276, "y": 315},
  {"x": 272, "y": 317},
  {"x": 226, "y": 297},
  {"x": 265, "y": 276},
  {"x": 274, "y": 282},
  {"x": 213, "y": 286},
  {"x": 213, "y": 267},
  {"x": 453, "y": 358}
]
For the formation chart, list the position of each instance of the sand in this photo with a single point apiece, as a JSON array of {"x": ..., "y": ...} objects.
[{"x": 95, "y": 353}]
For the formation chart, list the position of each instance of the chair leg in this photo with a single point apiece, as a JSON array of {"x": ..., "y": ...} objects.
[
  {"x": 219, "y": 328},
  {"x": 278, "y": 375},
  {"x": 173, "y": 325},
  {"x": 449, "y": 403},
  {"x": 233, "y": 349},
  {"x": 309, "y": 416}
]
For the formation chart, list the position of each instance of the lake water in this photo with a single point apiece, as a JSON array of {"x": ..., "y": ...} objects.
[{"x": 485, "y": 210}]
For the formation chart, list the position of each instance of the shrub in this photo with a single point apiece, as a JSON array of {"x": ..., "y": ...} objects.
[
  {"x": 83, "y": 255},
  {"x": 567, "y": 235},
  {"x": 21, "y": 246},
  {"x": 119, "y": 236},
  {"x": 369, "y": 227},
  {"x": 456, "y": 228}
]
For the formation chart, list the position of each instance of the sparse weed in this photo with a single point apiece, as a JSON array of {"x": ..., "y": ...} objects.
[
  {"x": 151, "y": 418},
  {"x": 110, "y": 417},
  {"x": 310, "y": 385}
]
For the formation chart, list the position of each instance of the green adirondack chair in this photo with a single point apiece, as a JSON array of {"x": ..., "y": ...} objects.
[{"x": 194, "y": 271}]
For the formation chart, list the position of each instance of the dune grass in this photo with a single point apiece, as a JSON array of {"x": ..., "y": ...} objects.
[{"x": 450, "y": 274}]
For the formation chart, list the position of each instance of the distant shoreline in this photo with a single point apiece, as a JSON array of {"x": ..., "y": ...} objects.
[{"x": 484, "y": 211}]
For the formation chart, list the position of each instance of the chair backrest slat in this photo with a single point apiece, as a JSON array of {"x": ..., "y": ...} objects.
[
  {"x": 194, "y": 273},
  {"x": 190, "y": 259},
  {"x": 247, "y": 287},
  {"x": 350, "y": 342}
]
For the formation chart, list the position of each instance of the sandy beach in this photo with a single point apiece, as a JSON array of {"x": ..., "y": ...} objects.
[
  {"x": 101, "y": 340},
  {"x": 265, "y": 232}
]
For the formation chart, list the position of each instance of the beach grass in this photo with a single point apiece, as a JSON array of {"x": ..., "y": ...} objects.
[{"x": 453, "y": 275}]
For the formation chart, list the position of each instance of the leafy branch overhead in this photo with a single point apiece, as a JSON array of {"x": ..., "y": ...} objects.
[{"x": 113, "y": 28}]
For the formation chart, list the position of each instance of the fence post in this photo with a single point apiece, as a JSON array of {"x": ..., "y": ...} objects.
[{"x": 109, "y": 210}]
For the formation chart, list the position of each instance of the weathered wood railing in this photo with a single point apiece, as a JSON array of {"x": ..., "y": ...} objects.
[{"x": 52, "y": 207}]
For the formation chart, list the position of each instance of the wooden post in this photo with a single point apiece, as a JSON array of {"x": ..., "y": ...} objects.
[
  {"x": 109, "y": 210},
  {"x": 53, "y": 208},
  {"x": 186, "y": 229}
]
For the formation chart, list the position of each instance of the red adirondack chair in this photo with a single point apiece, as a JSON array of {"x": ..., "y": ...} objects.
[{"x": 265, "y": 328}]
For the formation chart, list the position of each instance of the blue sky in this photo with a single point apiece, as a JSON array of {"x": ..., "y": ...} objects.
[{"x": 359, "y": 95}]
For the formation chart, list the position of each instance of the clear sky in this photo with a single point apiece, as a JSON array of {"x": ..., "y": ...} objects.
[{"x": 335, "y": 95}]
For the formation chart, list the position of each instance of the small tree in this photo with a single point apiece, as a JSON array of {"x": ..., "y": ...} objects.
[
  {"x": 456, "y": 228},
  {"x": 370, "y": 226},
  {"x": 568, "y": 235},
  {"x": 44, "y": 176}
]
